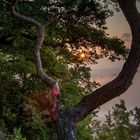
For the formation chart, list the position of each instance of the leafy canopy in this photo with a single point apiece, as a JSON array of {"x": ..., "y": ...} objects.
[{"x": 77, "y": 26}]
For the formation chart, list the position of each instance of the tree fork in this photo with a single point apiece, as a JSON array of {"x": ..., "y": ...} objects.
[
  {"x": 65, "y": 124},
  {"x": 123, "y": 81}
]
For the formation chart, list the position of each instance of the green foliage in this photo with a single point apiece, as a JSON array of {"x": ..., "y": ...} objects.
[
  {"x": 83, "y": 130},
  {"x": 118, "y": 124},
  {"x": 2, "y": 126},
  {"x": 17, "y": 135},
  {"x": 34, "y": 127},
  {"x": 73, "y": 27},
  {"x": 71, "y": 93},
  {"x": 65, "y": 37},
  {"x": 18, "y": 81}
]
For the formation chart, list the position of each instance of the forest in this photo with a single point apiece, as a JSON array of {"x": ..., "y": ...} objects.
[{"x": 46, "y": 91}]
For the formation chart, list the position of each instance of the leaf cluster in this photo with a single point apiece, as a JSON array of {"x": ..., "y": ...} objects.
[{"x": 120, "y": 124}]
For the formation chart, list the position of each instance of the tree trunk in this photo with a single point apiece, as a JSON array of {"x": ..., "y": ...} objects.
[
  {"x": 112, "y": 89},
  {"x": 65, "y": 123},
  {"x": 65, "y": 128}
]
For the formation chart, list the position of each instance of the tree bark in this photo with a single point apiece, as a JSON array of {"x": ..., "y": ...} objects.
[
  {"x": 65, "y": 123},
  {"x": 65, "y": 127},
  {"x": 121, "y": 83},
  {"x": 39, "y": 41}
]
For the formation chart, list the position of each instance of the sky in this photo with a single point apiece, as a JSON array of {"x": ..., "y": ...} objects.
[{"x": 106, "y": 71}]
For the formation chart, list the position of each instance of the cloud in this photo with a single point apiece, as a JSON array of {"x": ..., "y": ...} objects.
[{"x": 126, "y": 37}]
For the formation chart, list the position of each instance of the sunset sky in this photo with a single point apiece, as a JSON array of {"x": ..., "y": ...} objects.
[{"x": 106, "y": 70}]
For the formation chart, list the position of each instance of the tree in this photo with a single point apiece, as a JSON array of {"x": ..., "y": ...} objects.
[
  {"x": 119, "y": 124},
  {"x": 67, "y": 118}
]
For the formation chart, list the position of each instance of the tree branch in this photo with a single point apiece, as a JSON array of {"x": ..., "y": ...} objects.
[
  {"x": 132, "y": 16},
  {"x": 39, "y": 41},
  {"x": 123, "y": 81}
]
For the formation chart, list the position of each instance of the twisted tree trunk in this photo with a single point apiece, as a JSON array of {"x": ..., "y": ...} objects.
[
  {"x": 117, "y": 86},
  {"x": 39, "y": 41},
  {"x": 65, "y": 123}
]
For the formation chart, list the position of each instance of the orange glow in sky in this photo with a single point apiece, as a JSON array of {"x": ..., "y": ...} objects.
[{"x": 82, "y": 55}]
